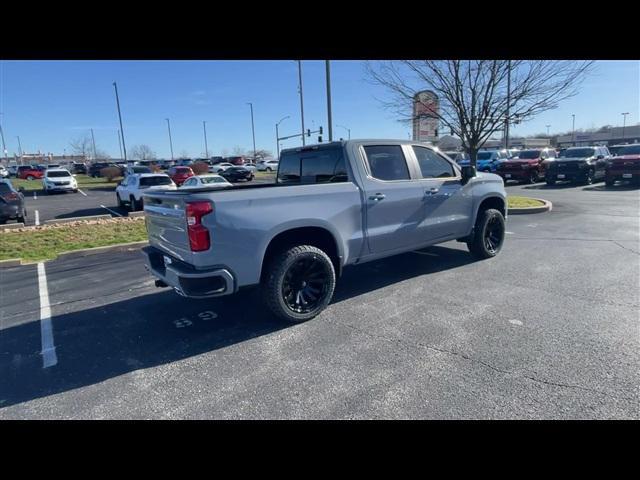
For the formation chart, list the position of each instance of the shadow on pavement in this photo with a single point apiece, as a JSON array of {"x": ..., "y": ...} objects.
[
  {"x": 557, "y": 186},
  {"x": 618, "y": 187},
  {"x": 94, "y": 211},
  {"x": 97, "y": 344}
]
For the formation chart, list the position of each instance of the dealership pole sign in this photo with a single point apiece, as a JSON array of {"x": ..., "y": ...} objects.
[{"x": 426, "y": 108}]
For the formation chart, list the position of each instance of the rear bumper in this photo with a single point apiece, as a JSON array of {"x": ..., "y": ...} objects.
[
  {"x": 186, "y": 280},
  {"x": 10, "y": 211},
  {"x": 61, "y": 188},
  {"x": 514, "y": 174},
  {"x": 622, "y": 174}
]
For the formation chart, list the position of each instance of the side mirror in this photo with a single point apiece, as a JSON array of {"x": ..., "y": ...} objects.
[{"x": 468, "y": 172}]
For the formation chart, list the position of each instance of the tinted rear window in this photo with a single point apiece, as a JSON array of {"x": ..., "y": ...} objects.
[
  {"x": 631, "y": 150},
  {"x": 313, "y": 166},
  {"x": 4, "y": 188},
  {"x": 153, "y": 181},
  {"x": 529, "y": 154}
]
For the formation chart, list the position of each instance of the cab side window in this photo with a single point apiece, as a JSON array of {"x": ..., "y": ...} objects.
[
  {"x": 387, "y": 162},
  {"x": 433, "y": 165}
]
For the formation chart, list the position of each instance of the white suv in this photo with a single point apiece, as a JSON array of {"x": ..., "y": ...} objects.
[
  {"x": 268, "y": 165},
  {"x": 59, "y": 180},
  {"x": 130, "y": 190}
]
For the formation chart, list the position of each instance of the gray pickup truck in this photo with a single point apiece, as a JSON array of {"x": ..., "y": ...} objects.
[{"x": 332, "y": 205}]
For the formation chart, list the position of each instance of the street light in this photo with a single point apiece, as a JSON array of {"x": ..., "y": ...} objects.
[
  {"x": 347, "y": 129},
  {"x": 624, "y": 122},
  {"x": 124, "y": 148},
  {"x": 253, "y": 131},
  {"x": 328, "y": 79},
  {"x": 206, "y": 147},
  {"x": 547, "y": 129},
  {"x": 301, "y": 102},
  {"x": 277, "y": 134},
  {"x": 170, "y": 142},
  {"x": 19, "y": 147},
  {"x": 573, "y": 130}
]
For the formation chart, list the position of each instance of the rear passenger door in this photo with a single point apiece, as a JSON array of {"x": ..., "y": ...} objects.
[
  {"x": 447, "y": 202},
  {"x": 393, "y": 199}
]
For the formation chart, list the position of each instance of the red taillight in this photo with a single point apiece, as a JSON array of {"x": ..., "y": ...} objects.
[
  {"x": 198, "y": 234},
  {"x": 10, "y": 196}
]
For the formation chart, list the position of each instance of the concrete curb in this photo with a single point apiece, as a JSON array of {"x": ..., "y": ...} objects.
[
  {"x": 119, "y": 247},
  {"x": 11, "y": 226},
  {"x": 77, "y": 219},
  {"x": 11, "y": 262},
  {"x": 547, "y": 207},
  {"x": 136, "y": 214}
]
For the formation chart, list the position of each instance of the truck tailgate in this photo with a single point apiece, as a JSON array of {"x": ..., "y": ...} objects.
[{"x": 167, "y": 225}]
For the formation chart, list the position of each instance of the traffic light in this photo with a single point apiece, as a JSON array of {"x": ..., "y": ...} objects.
[
  {"x": 319, "y": 139},
  {"x": 320, "y": 131},
  {"x": 308, "y": 132}
]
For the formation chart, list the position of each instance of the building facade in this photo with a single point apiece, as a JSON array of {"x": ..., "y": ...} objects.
[{"x": 612, "y": 136}]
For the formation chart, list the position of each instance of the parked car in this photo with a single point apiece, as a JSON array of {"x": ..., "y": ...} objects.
[
  {"x": 486, "y": 160},
  {"x": 220, "y": 167},
  {"x": 235, "y": 174},
  {"x": 130, "y": 190},
  {"x": 215, "y": 160},
  {"x": 332, "y": 205},
  {"x": 59, "y": 180},
  {"x": 94, "y": 168},
  {"x": 251, "y": 166},
  {"x": 29, "y": 172},
  {"x": 180, "y": 174},
  {"x": 579, "y": 165},
  {"x": 4, "y": 173},
  {"x": 183, "y": 162},
  {"x": 624, "y": 166},
  {"x": 267, "y": 165},
  {"x": 12, "y": 205},
  {"x": 207, "y": 180},
  {"x": 136, "y": 169},
  {"x": 236, "y": 160},
  {"x": 528, "y": 167},
  {"x": 456, "y": 156},
  {"x": 13, "y": 170},
  {"x": 614, "y": 149},
  {"x": 78, "y": 167}
]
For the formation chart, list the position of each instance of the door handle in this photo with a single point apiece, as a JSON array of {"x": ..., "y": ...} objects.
[
  {"x": 377, "y": 197},
  {"x": 432, "y": 191}
]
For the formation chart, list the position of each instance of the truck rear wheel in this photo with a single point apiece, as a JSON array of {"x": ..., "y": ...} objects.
[
  {"x": 299, "y": 283},
  {"x": 488, "y": 235}
]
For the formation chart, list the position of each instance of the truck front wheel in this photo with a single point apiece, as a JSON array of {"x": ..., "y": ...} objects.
[
  {"x": 299, "y": 283},
  {"x": 488, "y": 235}
]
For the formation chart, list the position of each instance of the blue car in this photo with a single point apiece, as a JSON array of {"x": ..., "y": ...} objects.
[{"x": 487, "y": 160}]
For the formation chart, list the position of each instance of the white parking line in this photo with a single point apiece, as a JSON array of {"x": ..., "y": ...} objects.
[
  {"x": 35, "y": 197},
  {"x": 49, "y": 357},
  {"x": 82, "y": 192},
  {"x": 37, "y": 217},
  {"x": 112, "y": 211}
]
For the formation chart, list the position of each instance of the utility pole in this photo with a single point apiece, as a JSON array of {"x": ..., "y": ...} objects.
[
  {"x": 124, "y": 147},
  {"x": 4, "y": 146},
  {"x": 328, "y": 78},
  {"x": 93, "y": 141},
  {"x": 19, "y": 147},
  {"x": 120, "y": 145},
  {"x": 278, "y": 135},
  {"x": 301, "y": 98},
  {"x": 253, "y": 132},
  {"x": 624, "y": 123},
  {"x": 170, "y": 142},
  {"x": 349, "y": 130},
  {"x": 206, "y": 146},
  {"x": 573, "y": 130},
  {"x": 506, "y": 126}
]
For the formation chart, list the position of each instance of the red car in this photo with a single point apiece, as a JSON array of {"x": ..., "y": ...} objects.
[
  {"x": 238, "y": 160},
  {"x": 180, "y": 174},
  {"x": 29, "y": 173},
  {"x": 527, "y": 167},
  {"x": 624, "y": 166}
]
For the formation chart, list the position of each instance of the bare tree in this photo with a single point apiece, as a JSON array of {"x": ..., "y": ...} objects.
[
  {"x": 82, "y": 145},
  {"x": 184, "y": 154},
  {"x": 239, "y": 151},
  {"x": 475, "y": 101},
  {"x": 142, "y": 152}
]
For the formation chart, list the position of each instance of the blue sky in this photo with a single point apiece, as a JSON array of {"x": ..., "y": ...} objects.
[{"x": 49, "y": 103}]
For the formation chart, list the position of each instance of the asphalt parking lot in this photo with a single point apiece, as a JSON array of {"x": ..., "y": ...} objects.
[
  {"x": 548, "y": 329},
  {"x": 89, "y": 201}
]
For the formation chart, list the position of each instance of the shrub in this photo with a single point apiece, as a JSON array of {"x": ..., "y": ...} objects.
[
  {"x": 199, "y": 168},
  {"x": 110, "y": 173}
]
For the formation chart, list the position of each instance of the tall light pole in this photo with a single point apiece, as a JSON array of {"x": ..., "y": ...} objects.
[
  {"x": 548, "y": 126},
  {"x": 120, "y": 145},
  {"x": 328, "y": 78},
  {"x": 4, "y": 146},
  {"x": 206, "y": 146},
  {"x": 253, "y": 131},
  {"x": 347, "y": 129},
  {"x": 301, "y": 97},
  {"x": 19, "y": 147},
  {"x": 624, "y": 123},
  {"x": 506, "y": 126},
  {"x": 124, "y": 147},
  {"x": 573, "y": 130},
  {"x": 170, "y": 142},
  {"x": 278, "y": 135},
  {"x": 93, "y": 141}
]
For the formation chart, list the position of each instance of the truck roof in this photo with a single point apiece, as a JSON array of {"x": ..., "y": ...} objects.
[{"x": 320, "y": 146}]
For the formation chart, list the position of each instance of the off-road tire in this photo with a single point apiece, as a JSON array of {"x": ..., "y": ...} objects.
[
  {"x": 272, "y": 285},
  {"x": 477, "y": 245}
]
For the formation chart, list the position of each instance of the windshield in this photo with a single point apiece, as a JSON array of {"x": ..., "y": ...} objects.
[
  {"x": 579, "y": 153},
  {"x": 630, "y": 150},
  {"x": 485, "y": 155},
  {"x": 529, "y": 154},
  {"x": 213, "y": 180},
  {"x": 58, "y": 174},
  {"x": 153, "y": 181}
]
